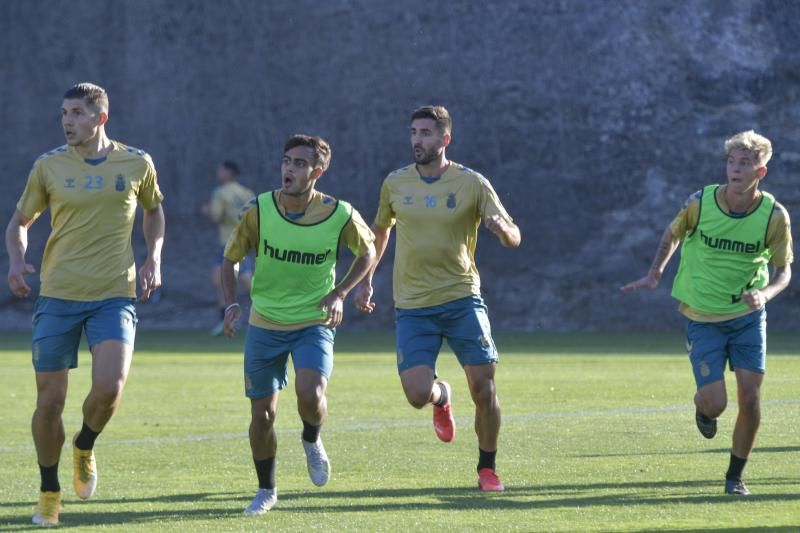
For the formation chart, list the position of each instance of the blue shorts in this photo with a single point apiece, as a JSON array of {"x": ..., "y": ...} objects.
[
  {"x": 741, "y": 341},
  {"x": 57, "y": 327},
  {"x": 463, "y": 322},
  {"x": 266, "y": 353},
  {"x": 245, "y": 266}
]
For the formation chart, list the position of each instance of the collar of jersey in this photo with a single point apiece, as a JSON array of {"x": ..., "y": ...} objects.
[{"x": 95, "y": 162}]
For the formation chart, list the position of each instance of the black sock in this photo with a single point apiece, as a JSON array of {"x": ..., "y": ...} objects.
[
  {"x": 86, "y": 438},
  {"x": 49, "y": 475},
  {"x": 310, "y": 433},
  {"x": 443, "y": 397},
  {"x": 486, "y": 459},
  {"x": 265, "y": 470},
  {"x": 735, "y": 468}
]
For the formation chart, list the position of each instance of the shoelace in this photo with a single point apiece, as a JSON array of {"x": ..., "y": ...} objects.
[
  {"x": 85, "y": 467},
  {"x": 262, "y": 498},
  {"x": 315, "y": 454},
  {"x": 48, "y": 506}
]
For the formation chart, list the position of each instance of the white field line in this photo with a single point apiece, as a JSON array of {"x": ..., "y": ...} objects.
[{"x": 378, "y": 424}]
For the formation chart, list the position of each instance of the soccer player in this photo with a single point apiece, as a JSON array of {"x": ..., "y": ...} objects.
[
  {"x": 227, "y": 202},
  {"x": 438, "y": 206},
  {"x": 296, "y": 232},
  {"x": 88, "y": 280},
  {"x": 730, "y": 234}
]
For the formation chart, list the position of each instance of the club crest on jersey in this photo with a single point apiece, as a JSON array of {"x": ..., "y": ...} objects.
[
  {"x": 451, "y": 200},
  {"x": 69, "y": 183},
  {"x": 407, "y": 200},
  {"x": 120, "y": 184}
]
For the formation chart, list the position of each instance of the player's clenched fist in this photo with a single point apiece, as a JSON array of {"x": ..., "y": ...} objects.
[{"x": 16, "y": 280}]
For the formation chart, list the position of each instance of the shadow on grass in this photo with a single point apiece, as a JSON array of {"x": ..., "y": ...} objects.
[
  {"x": 540, "y": 496},
  {"x": 74, "y": 512},
  {"x": 520, "y": 497}
]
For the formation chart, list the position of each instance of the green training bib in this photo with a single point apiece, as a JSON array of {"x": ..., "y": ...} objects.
[
  {"x": 724, "y": 256},
  {"x": 295, "y": 263}
]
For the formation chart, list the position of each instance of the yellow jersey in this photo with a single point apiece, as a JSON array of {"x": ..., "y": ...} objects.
[
  {"x": 88, "y": 255},
  {"x": 778, "y": 240},
  {"x": 437, "y": 231},
  {"x": 356, "y": 235},
  {"x": 227, "y": 202}
]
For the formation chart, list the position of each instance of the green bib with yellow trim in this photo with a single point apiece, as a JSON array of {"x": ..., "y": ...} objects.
[
  {"x": 724, "y": 256},
  {"x": 295, "y": 263}
]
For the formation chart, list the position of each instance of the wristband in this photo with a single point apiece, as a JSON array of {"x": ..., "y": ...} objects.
[{"x": 231, "y": 307}]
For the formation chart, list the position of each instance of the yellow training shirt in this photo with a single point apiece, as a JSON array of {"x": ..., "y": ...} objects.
[
  {"x": 778, "y": 240},
  {"x": 437, "y": 230},
  {"x": 356, "y": 235},
  {"x": 88, "y": 255},
  {"x": 227, "y": 202}
]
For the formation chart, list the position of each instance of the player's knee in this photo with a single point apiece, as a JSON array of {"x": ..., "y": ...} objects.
[
  {"x": 311, "y": 400},
  {"x": 750, "y": 403},
  {"x": 263, "y": 418},
  {"x": 418, "y": 398},
  {"x": 107, "y": 393},
  {"x": 714, "y": 407},
  {"x": 49, "y": 408},
  {"x": 418, "y": 388},
  {"x": 483, "y": 393}
]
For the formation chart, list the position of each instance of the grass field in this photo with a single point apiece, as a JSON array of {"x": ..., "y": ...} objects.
[{"x": 598, "y": 435}]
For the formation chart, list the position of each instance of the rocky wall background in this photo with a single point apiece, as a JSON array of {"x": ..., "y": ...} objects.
[{"x": 593, "y": 119}]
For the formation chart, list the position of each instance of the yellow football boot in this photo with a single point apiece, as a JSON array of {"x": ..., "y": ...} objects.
[
  {"x": 48, "y": 508},
  {"x": 84, "y": 471}
]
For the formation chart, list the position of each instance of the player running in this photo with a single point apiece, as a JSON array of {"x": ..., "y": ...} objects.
[
  {"x": 227, "y": 201},
  {"x": 296, "y": 232},
  {"x": 88, "y": 281},
  {"x": 438, "y": 206},
  {"x": 730, "y": 234}
]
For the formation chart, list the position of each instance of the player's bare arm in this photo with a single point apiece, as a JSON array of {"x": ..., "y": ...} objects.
[
  {"x": 233, "y": 311},
  {"x": 506, "y": 231},
  {"x": 16, "y": 245},
  {"x": 666, "y": 248},
  {"x": 758, "y": 298},
  {"x": 153, "y": 224},
  {"x": 333, "y": 302},
  {"x": 363, "y": 298}
]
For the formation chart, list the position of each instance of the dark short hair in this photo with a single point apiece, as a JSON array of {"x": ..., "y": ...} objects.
[
  {"x": 322, "y": 150},
  {"x": 435, "y": 112},
  {"x": 92, "y": 94},
  {"x": 231, "y": 167}
]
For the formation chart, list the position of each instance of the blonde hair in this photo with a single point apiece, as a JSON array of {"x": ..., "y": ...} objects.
[{"x": 752, "y": 141}]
